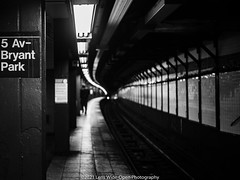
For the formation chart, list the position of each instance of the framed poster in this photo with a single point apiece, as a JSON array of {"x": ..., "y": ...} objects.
[{"x": 61, "y": 91}]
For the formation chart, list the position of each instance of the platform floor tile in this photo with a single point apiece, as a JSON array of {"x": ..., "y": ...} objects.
[{"x": 93, "y": 154}]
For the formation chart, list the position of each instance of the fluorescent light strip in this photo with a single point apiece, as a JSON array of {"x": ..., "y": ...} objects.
[
  {"x": 83, "y": 15},
  {"x": 96, "y": 61},
  {"x": 82, "y": 47},
  {"x": 86, "y": 74},
  {"x": 119, "y": 9},
  {"x": 162, "y": 9}
]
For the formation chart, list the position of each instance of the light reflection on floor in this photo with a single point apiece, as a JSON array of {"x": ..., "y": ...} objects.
[{"x": 93, "y": 151}]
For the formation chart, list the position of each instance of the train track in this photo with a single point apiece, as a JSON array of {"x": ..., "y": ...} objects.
[{"x": 143, "y": 154}]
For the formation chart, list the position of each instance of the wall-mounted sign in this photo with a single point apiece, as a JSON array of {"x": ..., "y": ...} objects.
[
  {"x": 20, "y": 56},
  {"x": 61, "y": 91}
]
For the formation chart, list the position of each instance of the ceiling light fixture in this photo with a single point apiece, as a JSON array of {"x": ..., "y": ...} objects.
[{"x": 83, "y": 17}]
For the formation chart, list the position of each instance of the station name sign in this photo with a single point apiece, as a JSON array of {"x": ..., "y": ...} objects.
[{"x": 20, "y": 56}]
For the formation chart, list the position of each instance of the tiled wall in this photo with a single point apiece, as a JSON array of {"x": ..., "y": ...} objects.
[
  {"x": 230, "y": 101},
  {"x": 208, "y": 100},
  {"x": 172, "y": 97},
  {"x": 193, "y": 99},
  {"x": 182, "y": 108},
  {"x": 165, "y": 97}
]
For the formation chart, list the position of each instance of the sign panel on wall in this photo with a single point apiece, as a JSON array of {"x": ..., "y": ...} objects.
[
  {"x": 20, "y": 56},
  {"x": 61, "y": 91}
]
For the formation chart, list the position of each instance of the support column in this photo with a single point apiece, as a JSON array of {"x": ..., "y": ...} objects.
[
  {"x": 61, "y": 71},
  {"x": 22, "y": 92}
]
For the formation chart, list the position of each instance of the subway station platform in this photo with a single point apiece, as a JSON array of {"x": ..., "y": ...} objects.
[{"x": 93, "y": 154}]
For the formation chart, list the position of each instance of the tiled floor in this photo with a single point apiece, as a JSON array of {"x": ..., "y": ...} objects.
[{"x": 93, "y": 151}]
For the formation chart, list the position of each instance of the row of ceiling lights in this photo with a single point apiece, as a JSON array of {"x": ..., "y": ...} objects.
[{"x": 83, "y": 16}]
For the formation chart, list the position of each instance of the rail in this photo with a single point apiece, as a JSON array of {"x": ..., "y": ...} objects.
[{"x": 144, "y": 156}]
